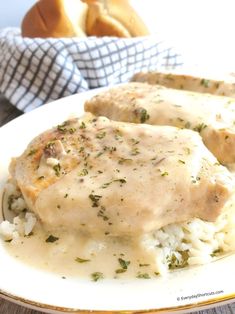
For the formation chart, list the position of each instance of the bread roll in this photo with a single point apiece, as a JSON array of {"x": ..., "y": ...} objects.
[
  {"x": 55, "y": 18},
  {"x": 75, "y": 18},
  {"x": 113, "y": 18}
]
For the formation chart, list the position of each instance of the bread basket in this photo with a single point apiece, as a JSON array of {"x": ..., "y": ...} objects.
[{"x": 35, "y": 71}]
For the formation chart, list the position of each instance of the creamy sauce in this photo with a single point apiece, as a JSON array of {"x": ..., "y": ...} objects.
[
  {"x": 76, "y": 255},
  {"x": 208, "y": 84},
  {"x": 109, "y": 180}
]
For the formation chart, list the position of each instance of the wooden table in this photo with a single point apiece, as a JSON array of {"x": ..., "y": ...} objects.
[{"x": 7, "y": 113}]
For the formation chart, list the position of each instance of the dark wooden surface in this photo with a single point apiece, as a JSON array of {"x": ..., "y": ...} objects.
[{"x": 7, "y": 113}]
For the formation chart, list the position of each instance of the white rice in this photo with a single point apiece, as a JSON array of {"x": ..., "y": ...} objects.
[
  {"x": 22, "y": 225},
  {"x": 24, "y": 222},
  {"x": 195, "y": 242}
]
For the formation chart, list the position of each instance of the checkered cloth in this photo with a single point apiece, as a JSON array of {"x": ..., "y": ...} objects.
[{"x": 36, "y": 71}]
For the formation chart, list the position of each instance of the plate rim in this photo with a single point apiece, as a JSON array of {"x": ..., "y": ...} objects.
[{"x": 203, "y": 305}]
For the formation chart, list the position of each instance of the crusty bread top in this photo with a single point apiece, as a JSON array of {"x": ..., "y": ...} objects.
[
  {"x": 48, "y": 18},
  {"x": 75, "y": 18},
  {"x": 115, "y": 18}
]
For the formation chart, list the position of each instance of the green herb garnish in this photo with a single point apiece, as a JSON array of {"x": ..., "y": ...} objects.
[
  {"x": 135, "y": 151},
  {"x": 72, "y": 130},
  {"x": 95, "y": 199},
  {"x": 123, "y": 160},
  {"x": 81, "y": 260},
  {"x": 120, "y": 180},
  {"x": 187, "y": 125},
  {"x": 97, "y": 276},
  {"x": 62, "y": 127},
  {"x": 102, "y": 214},
  {"x": 100, "y": 135},
  {"x": 144, "y": 116},
  {"x": 57, "y": 169},
  {"x": 124, "y": 264},
  {"x": 200, "y": 127},
  {"x": 134, "y": 141},
  {"x": 120, "y": 271},
  {"x": 83, "y": 173},
  {"x": 82, "y": 126},
  {"x": 205, "y": 82},
  {"x": 51, "y": 239},
  {"x": 143, "y": 276},
  {"x": 105, "y": 185},
  {"x": 32, "y": 152}
]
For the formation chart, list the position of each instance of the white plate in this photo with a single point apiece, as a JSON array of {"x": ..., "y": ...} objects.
[{"x": 189, "y": 289}]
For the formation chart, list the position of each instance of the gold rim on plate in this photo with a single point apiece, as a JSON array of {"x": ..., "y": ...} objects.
[{"x": 190, "y": 306}]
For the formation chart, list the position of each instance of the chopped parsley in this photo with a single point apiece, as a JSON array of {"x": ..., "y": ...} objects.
[
  {"x": 164, "y": 174},
  {"x": 123, "y": 160},
  {"x": 32, "y": 152},
  {"x": 120, "y": 271},
  {"x": 82, "y": 126},
  {"x": 83, "y": 173},
  {"x": 81, "y": 260},
  {"x": 50, "y": 144},
  {"x": 124, "y": 264},
  {"x": 205, "y": 82},
  {"x": 188, "y": 151},
  {"x": 216, "y": 252},
  {"x": 100, "y": 135},
  {"x": 57, "y": 169},
  {"x": 200, "y": 127},
  {"x": 144, "y": 116},
  {"x": 143, "y": 276},
  {"x": 95, "y": 199},
  {"x": 51, "y": 239},
  {"x": 101, "y": 213},
  {"x": 72, "y": 130},
  {"x": 187, "y": 125},
  {"x": 134, "y": 141},
  {"x": 97, "y": 276},
  {"x": 180, "y": 119},
  {"x": 99, "y": 154},
  {"x": 120, "y": 180},
  {"x": 135, "y": 151},
  {"x": 62, "y": 127},
  {"x": 105, "y": 185},
  {"x": 195, "y": 179}
]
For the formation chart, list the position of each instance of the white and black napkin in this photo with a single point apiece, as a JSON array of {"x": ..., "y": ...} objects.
[{"x": 36, "y": 71}]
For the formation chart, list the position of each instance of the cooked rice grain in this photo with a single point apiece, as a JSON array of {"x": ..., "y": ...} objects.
[{"x": 194, "y": 242}]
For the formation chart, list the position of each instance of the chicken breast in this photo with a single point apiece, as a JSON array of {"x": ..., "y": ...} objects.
[
  {"x": 107, "y": 177},
  {"x": 212, "y": 116},
  {"x": 207, "y": 84}
]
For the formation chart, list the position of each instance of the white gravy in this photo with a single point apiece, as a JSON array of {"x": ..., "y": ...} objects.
[{"x": 66, "y": 256}]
